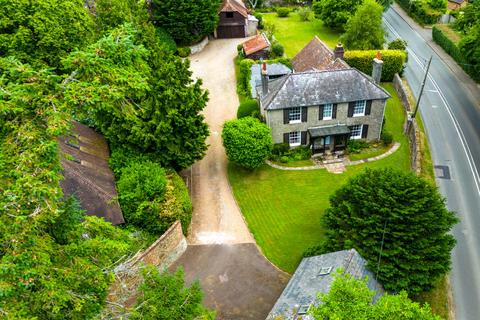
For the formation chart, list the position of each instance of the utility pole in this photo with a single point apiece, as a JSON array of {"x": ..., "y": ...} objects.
[{"x": 421, "y": 90}]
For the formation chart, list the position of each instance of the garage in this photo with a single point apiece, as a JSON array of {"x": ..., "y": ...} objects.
[{"x": 232, "y": 31}]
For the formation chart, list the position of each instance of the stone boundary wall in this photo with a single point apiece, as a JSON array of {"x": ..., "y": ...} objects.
[
  {"x": 411, "y": 127},
  {"x": 162, "y": 253},
  {"x": 196, "y": 48}
]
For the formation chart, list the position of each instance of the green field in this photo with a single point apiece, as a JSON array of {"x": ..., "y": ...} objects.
[
  {"x": 294, "y": 34},
  {"x": 283, "y": 208}
]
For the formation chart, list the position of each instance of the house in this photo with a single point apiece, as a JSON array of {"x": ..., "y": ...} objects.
[
  {"x": 257, "y": 48},
  {"x": 323, "y": 109},
  {"x": 455, "y": 4},
  {"x": 274, "y": 71},
  {"x": 233, "y": 20},
  {"x": 84, "y": 159},
  {"x": 316, "y": 55},
  {"x": 315, "y": 275}
]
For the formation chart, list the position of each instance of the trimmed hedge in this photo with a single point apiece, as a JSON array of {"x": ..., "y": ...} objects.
[
  {"x": 450, "y": 47},
  {"x": 421, "y": 11},
  {"x": 393, "y": 61},
  {"x": 248, "y": 108},
  {"x": 244, "y": 74}
]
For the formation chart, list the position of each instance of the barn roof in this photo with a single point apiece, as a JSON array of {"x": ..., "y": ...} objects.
[
  {"x": 257, "y": 43},
  {"x": 316, "y": 55},
  {"x": 314, "y": 275},
  {"x": 84, "y": 158},
  {"x": 234, "y": 5}
]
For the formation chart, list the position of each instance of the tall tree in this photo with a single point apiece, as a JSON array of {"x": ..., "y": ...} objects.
[
  {"x": 407, "y": 214},
  {"x": 335, "y": 13},
  {"x": 364, "y": 31},
  {"x": 43, "y": 31},
  {"x": 165, "y": 297},
  {"x": 140, "y": 95},
  {"x": 350, "y": 298},
  {"x": 187, "y": 21}
]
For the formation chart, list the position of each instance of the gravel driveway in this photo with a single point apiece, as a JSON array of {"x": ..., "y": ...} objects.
[{"x": 238, "y": 281}]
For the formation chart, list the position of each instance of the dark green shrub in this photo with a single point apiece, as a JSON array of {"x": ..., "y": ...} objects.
[
  {"x": 284, "y": 159},
  {"x": 438, "y": 4},
  {"x": 248, "y": 108},
  {"x": 300, "y": 153},
  {"x": 393, "y": 61},
  {"x": 277, "y": 50},
  {"x": 283, "y": 12},
  {"x": 355, "y": 146},
  {"x": 165, "y": 40},
  {"x": 397, "y": 44},
  {"x": 280, "y": 149},
  {"x": 387, "y": 138},
  {"x": 259, "y": 16},
  {"x": 184, "y": 51},
  {"x": 421, "y": 11}
]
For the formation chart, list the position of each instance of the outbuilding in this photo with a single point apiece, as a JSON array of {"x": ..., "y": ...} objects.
[{"x": 233, "y": 20}]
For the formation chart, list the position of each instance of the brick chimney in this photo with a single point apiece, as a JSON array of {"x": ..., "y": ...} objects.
[
  {"x": 264, "y": 79},
  {"x": 338, "y": 52},
  {"x": 377, "y": 68}
]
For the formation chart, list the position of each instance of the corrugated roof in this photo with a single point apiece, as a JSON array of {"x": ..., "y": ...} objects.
[
  {"x": 84, "y": 158},
  {"x": 257, "y": 43},
  {"x": 234, "y": 5},
  {"x": 320, "y": 87},
  {"x": 316, "y": 55},
  {"x": 308, "y": 281}
]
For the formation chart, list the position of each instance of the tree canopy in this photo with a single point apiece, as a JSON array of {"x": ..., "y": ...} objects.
[
  {"x": 350, "y": 298},
  {"x": 43, "y": 31},
  {"x": 364, "y": 31},
  {"x": 404, "y": 210},
  {"x": 247, "y": 142},
  {"x": 187, "y": 21},
  {"x": 335, "y": 13},
  {"x": 140, "y": 96}
]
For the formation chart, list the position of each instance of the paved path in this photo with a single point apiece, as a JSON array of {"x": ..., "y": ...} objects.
[
  {"x": 238, "y": 281},
  {"x": 333, "y": 166},
  {"x": 216, "y": 216},
  {"x": 451, "y": 116}
]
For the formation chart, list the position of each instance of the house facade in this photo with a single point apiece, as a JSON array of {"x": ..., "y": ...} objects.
[
  {"x": 323, "y": 109},
  {"x": 233, "y": 20}
]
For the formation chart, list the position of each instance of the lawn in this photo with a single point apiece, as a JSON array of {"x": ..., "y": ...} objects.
[
  {"x": 294, "y": 34},
  {"x": 283, "y": 209}
]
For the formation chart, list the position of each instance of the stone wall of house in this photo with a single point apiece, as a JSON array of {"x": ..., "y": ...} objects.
[
  {"x": 274, "y": 119},
  {"x": 411, "y": 127},
  {"x": 196, "y": 48},
  {"x": 162, "y": 253}
]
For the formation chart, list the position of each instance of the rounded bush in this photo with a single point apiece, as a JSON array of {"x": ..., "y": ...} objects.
[
  {"x": 387, "y": 138},
  {"x": 247, "y": 142},
  {"x": 283, "y": 12},
  {"x": 397, "y": 44},
  {"x": 277, "y": 50},
  {"x": 248, "y": 108}
]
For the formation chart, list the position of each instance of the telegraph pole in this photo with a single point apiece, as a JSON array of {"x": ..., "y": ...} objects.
[{"x": 421, "y": 90}]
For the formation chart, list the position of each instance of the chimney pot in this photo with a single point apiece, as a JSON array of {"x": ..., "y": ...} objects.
[{"x": 338, "y": 52}]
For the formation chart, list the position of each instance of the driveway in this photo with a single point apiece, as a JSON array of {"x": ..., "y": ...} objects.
[{"x": 238, "y": 281}]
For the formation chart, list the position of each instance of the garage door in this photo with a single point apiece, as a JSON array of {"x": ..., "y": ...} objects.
[{"x": 231, "y": 32}]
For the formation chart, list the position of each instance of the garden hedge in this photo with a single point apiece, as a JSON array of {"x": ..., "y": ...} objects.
[
  {"x": 393, "y": 61},
  {"x": 248, "y": 108},
  {"x": 421, "y": 11}
]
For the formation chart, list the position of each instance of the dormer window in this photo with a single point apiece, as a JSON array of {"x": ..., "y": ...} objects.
[{"x": 229, "y": 14}]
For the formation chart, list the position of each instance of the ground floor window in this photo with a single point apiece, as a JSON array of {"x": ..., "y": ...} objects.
[
  {"x": 356, "y": 131},
  {"x": 294, "y": 138},
  {"x": 325, "y": 140}
]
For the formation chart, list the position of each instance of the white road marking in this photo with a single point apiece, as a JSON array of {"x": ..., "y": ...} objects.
[
  {"x": 434, "y": 106},
  {"x": 466, "y": 148}
]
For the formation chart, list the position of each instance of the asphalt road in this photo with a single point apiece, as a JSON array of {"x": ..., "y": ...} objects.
[{"x": 452, "y": 121}]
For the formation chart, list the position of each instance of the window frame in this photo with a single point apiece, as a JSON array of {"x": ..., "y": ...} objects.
[
  {"x": 291, "y": 111},
  {"x": 360, "y": 131},
  {"x": 356, "y": 105},
  {"x": 330, "y": 107},
  {"x": 298, "y": 138}
]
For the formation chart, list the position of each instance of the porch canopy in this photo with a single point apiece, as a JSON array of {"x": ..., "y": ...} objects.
[{"x": 332, "y": 130}]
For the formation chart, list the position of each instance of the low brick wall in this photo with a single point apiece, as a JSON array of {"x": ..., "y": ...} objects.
[
  {"x": 196, "y": 48},
  {"x": 162, "y": 253},
  {"x": 411, "y": 127}
]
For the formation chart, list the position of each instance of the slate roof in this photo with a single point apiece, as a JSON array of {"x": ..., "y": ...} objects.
[
  {"x": 316, "y": 55},
  {"x": 84, "y": 158},
  {"x": 273, "y": 70},
  {"x": 234, "y": 5},
  {"x": 320, "y": 87},
  {"x": 330, "y": 130},
  {"x": 307, "y": 282},
  {"x": 257, "y": 43}
]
